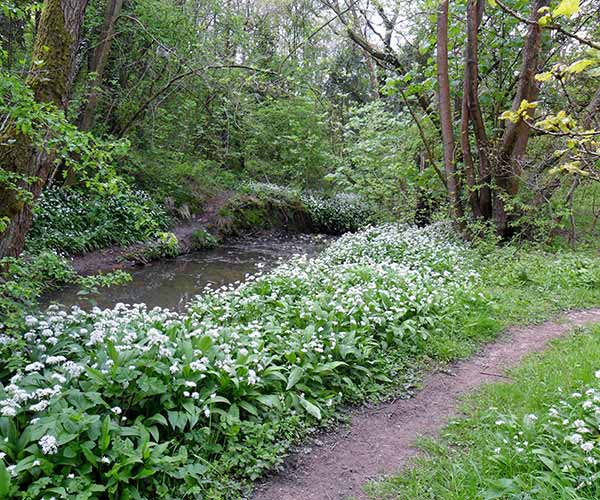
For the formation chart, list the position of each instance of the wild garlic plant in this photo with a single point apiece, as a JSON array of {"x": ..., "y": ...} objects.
[{"x": 132, "y": 401}]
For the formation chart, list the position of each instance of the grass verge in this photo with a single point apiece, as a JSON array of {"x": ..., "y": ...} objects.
[{"x": 535, "y": 438}]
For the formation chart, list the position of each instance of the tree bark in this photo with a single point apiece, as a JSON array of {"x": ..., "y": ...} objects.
[
  {"x": 111, "y": 13},
  {"x": 445, "y": 108},
  {"x": 475, "y": 10},
  {"x": 507, "y": 171},
  {"x": 56, "y": 42}
]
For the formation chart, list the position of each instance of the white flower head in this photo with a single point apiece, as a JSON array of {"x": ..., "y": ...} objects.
[{"x": 49, "y": 444}]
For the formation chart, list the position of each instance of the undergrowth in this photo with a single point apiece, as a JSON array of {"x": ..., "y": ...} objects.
[
  {"x": 77, "y": 221},
  {"x": 152, "y": 403}
]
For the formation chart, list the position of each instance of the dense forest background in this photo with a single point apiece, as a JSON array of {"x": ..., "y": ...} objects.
[{"x": 486, "y": 108}]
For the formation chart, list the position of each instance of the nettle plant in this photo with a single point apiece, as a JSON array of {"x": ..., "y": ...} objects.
[{"x": 137, "y": 403}]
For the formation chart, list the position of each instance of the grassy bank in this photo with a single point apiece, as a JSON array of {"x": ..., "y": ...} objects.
[{"x": 536, "y": 437}]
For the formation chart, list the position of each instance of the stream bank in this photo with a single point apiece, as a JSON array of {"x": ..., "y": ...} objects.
[{"x": 172, "y": 283}]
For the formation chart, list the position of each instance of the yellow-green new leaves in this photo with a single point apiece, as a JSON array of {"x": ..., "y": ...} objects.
[
  {"x": 579, "y": 66},
  {"x": 544, "y": 77},
  {"x": 567, "y": 8},
  {"x": 571, "y": 167},
  {"x": 560, "y": 122},
  {"x": 559, "y": 71},
  {"x": 522, "y": 112}
]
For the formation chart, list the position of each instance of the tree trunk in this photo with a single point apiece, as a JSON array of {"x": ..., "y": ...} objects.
[
  {"x": 56, "y": 42},
  {"x": 446, "y": 111},
  {"x": 424, "y": 203},
  {"x": 474, "y": 15},
  {"x": 508, "y": 169},
  {"x": 111, "y": 13},
  {"x": 466, "y": 153}
]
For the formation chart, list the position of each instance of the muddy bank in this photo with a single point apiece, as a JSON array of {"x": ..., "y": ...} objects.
[{"x": 226, "y": 217}]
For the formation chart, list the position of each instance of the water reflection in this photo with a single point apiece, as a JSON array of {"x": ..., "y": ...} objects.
[{"x": 173, "y": 283}]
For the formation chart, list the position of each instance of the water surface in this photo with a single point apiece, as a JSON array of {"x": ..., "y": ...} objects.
[{"x": 173, "y": 283}]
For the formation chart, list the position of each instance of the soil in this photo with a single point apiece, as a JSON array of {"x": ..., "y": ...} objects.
[
  {"x": 110, "y": 259},
  {"x": 381, "y": 439}
]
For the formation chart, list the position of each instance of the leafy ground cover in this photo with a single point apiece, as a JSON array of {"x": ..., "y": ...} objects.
[
  {"x": 152, "y": 403},
  {"x": 536, "y": 437},
  {"x": 139, "y": 403},
  {"x": 74, "y": 221}
]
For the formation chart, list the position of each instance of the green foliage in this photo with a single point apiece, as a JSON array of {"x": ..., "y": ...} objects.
[
  {"x": 184, "y": 185},
  {"x": 192, "y": 403},
  {"x": 203, "y": 240},
  {"x": 287, "y": 142},
  {"x": 163, "y": 246},
  {"x": 533, "y": 438},
  {"x": 47, "y": 128},
  {"x": 380, "y": 159},
  {"x": 24, "y": 280},
  {"x": 77, "y": 221}
]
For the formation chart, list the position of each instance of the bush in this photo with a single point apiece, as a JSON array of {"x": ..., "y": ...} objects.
[
  {"x": 203, "y": 240},
  {"x": 75, "y": 221},
  {"x": 153, "y": 404}
]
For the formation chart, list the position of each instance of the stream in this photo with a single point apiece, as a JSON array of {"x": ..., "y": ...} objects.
[{"x": 173, "y": 283}]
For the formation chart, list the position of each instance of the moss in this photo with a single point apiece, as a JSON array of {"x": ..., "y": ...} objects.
[
  {"x": 246, "y": 213},
  {"x": 53, "y": 44}
]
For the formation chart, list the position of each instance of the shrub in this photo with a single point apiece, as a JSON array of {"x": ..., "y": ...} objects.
[
  {"x": 74, "y": 221},
  {"x": 202, "y": 240},
  {"x": 155, "y": 404},
  {"x": 164, "y": 245}
]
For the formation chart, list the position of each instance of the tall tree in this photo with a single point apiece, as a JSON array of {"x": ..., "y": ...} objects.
[
  {"x": 445, "y": 107},
  {"x": 50, "y": 78},
  {"x": 107, "y": 33}
]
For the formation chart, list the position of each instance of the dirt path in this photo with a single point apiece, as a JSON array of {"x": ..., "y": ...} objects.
[{"x": 382, "y": 439}]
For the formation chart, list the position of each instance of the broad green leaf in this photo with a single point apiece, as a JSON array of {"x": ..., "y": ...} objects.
[
  {"x": 311, "y": 408},
  {"x": 4, "y": 480},
  {"x": 295, "y": 375}
]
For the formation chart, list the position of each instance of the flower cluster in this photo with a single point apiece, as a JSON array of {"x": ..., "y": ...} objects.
[
  {"x": 563, "y": 439},
  {"x": 74, "y": 221},
  {"x": 130, "y": 392}
]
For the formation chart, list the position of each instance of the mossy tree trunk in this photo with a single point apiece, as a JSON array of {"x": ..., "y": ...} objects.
[{"x": 50, "y": 78}]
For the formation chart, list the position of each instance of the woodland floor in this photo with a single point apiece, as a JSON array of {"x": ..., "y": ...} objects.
[{"x": 382, "y": 439}]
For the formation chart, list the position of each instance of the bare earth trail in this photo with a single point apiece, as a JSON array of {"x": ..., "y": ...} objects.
[{"x": 382, "y": 439}]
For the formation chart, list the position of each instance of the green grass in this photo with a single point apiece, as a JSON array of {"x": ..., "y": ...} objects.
[
  {"x": 524, "y": 286},
  {"x": 472, "y": 461}
]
